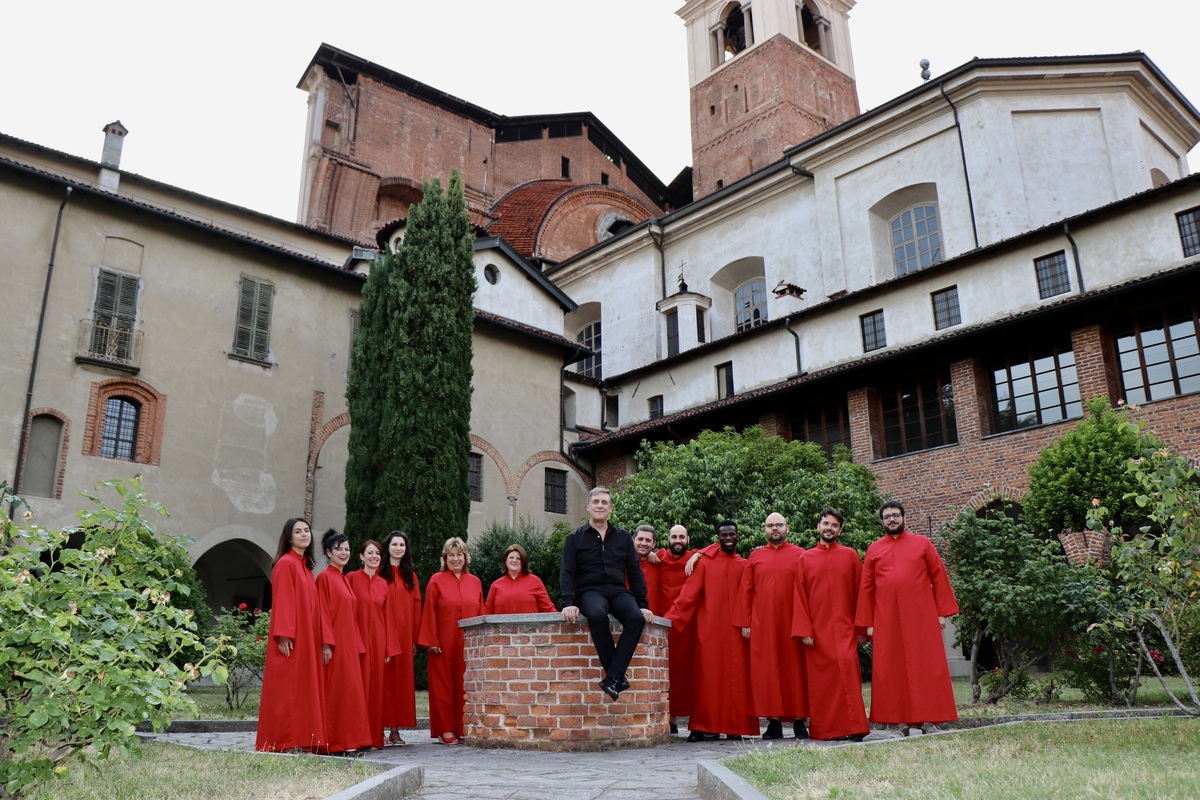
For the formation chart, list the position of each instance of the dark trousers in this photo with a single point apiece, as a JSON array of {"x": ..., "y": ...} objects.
[{"x": 596, "y": 603}]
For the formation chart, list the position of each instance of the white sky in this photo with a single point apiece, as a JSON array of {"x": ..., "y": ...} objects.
[{"x": 208, "y": 93}]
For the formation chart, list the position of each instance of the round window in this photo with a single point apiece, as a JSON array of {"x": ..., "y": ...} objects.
[{"x": 491, "y": 274}]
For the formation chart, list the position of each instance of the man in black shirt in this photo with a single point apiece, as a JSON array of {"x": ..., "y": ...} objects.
[{"x": 598, "y": 562}]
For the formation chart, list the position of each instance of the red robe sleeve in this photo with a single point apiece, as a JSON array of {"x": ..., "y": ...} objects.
[
  {"x": 428, "y": 637},
  {"x": 802, "y": 626},
  {"x": 864, "y": 614},
  {"x": 544, "y": 603},
  {"x": 285, "y": 601},
  {"x": 943, "y": 595},
  {"x": 689, "y": 598}
]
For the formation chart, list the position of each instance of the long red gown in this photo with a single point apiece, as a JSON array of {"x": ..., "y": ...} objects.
[
  {"x": 721, "y": 671},
  {"x": 650, "y": 573},
  {"x": 903, "y": 591},
  {"x": 292, "y": 711},
  {"x": 768, "y": 598},
  {"x": 447, "y": 600},
  {"x": 371, "y": 594},
  {"x": 681, "y": 646},
  {"x": 827, "y": 592},
  {"x": 525, "y": 594},
  {"x": 404, "y": 617},
  {"x": 346, "y": 712}
]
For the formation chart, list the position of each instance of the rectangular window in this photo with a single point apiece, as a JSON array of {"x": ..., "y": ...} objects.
[
  {"x": 1189, "y": 231},
  {"x": 556, "y": 491},
  {"x": 725, "y": 380},
  {"x": 1035, "y": 389},
  {"x": 827, "y": 425},
  {"x": 1159, "y": 355},
  {"x": 1052, "y": 274},
  {"x": 118, "y": 437},
  {"x": 612, "y": 409},
  {"x": 566, "y": 168},
  {"x": 604, "y": 179},
  {"x": 252, "y": 339},
  {"x": 945, "y": 308},
  {"x": 874, "y": 336},
  {"x": 475, "y": 477},
  {"x": 113, "y": 316},
  {"x": 656, "y": 407},
  {"x": 672, "y": 333},
  {"x": 918, "y": 414},
  {"x": 700, "y": 334}
]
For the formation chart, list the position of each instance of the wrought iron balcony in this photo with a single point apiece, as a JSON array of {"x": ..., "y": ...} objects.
[{"x": 102, "y": 342}]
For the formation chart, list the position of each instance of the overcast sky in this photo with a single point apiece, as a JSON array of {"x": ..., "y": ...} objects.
[{"x": 208, "y": 90}]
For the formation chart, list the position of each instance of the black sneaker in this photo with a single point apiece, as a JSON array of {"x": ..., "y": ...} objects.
[
  {"x": 774, "y": 729},
  {"x": 609, "y": 687},
  {"x": 799, "y": 729}
]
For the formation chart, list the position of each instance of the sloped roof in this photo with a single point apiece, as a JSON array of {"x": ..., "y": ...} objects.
[{"x": 520, "y": 213}]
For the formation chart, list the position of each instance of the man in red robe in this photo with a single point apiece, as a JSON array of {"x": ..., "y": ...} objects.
[
  {"x": 904, "y": 601},
  {"x": 681, "y": 647},
  {"x": 643, "y": 542},
  {"x": 826, "y": 595},
  {"x": 708, "y": 601},
  {"x": 778, "y": 691}
]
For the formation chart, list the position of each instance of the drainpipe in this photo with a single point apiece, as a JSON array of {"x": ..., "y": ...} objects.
[
  {"x": 1075, "y": 255},
  {"x": 787, "y": 324},
  {"x": 962, "y": 150},
  {"x": 662, "y": 255},
  {"x": 37, "y": 346}
]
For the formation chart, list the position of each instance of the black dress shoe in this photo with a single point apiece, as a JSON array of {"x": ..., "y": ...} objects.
[
  {"x": 622, "y": 684},
  {"x": 774, "y": 729},
  {"x": 857, "y": 737},
  {"x": 799, "y": 729},
  {"x": 610, "y": 687},
  {"x": 733, "y": 737},
  {"x": 674, "y": 728},
  {"x": 696, "y": 736}
]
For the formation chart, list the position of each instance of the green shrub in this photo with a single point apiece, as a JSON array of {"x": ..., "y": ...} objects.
[
  {"x": 547, "y": 562},
  {"x": 487, "y": 549},
  {"x": 247, "y": 631}
]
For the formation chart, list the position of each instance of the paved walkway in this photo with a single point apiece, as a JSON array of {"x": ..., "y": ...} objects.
[{"x": 667, "y": 772}]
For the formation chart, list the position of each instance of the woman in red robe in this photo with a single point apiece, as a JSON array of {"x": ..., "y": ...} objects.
[
  {"x": 371, "y": 594},
  {"x": 452, "y": 594},
  {"x": 341, "y": 651},
  {"x": 518, "y": 591},
  {"x": 404, "y": 618},
  {"x": 291, "y": 715}
]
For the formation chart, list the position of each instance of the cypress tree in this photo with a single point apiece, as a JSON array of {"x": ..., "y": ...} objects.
[{"x": 409, "y": 392}]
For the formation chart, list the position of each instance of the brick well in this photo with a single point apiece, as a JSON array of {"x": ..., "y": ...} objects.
[{"x": 531, "y": 684}]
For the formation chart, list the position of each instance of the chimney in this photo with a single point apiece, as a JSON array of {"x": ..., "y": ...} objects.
[{"x": 110, "y": 161}]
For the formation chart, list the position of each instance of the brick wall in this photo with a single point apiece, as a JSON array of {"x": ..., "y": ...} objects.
[{"x": 531, "y": 684}]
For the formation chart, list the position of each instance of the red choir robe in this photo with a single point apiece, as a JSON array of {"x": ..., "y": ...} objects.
[
  {"x": 371, "y": 592},
  {"x": 650, "y": 573},
  {"x": 826, "y": 594},
  {"x": 292, "y": 710},
  {"x": 346, "y": 723},
  {"x": 681, "y": 646},
  {"x": 778, "y": 687},
  {"x": 399, "y": 682},
  {"x": 903, "y": 591},
  {"x": 721, "y": 675},
  {"x": 526, "y": 594},
  {"x": 447, "y": 600}
]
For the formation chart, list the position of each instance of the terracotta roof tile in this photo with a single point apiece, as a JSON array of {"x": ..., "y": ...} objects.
[{"x": 519, "y": 214}]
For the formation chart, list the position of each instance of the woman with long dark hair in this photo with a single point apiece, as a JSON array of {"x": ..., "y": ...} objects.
[
  {"x": 371, "y": 592},
  {"x": 342, "y": 651},
  {"x": 404, "y": 618},
  {"x": 291, "y": 715}
]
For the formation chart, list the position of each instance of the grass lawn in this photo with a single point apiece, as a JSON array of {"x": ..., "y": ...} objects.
[
  {"x": 1150, "y": 758},
  {"x": 182, "y": 773},
  {"x": 211, "y": 700}
]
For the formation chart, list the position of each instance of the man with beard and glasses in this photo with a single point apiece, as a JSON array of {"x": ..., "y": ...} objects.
[
  {"x": 643, "y": 542},
  {"x": 904, "y": 601},
  {"x": 673, "y": 571},
  {"x": 826, "y": 594},
  {"x": 779, "y": 691},
  {"x": 708, "y": 602}
]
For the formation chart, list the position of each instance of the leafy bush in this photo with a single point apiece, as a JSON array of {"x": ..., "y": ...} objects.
[
  {"x": 547, "y": 562},
  {"x": 88, "y": 637},
  {"x": 1023, "y": 685},
  {"x": 247, "y": 632},
  {"x": 487, "y": 549}
]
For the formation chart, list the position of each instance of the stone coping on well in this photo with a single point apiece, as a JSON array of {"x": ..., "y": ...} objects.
[{"x": 543, "y": 619}]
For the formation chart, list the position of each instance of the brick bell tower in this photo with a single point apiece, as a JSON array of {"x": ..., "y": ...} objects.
[{"x": 764, "y": 75}]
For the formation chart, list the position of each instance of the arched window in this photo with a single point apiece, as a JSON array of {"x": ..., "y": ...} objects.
[
  {"x": 750, "y": 304},
  {"x": 590, "y": 337},
  {"x": 118, "y": 439},
  {"x": 45, "y": 454},
  {"x": 916, "y": 239},
  {"x": 125, "y": 421}
]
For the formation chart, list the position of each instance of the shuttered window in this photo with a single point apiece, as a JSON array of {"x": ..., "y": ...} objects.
[
  {"x": 114, "y": 315},
  {"x": 252, "y": 339}
]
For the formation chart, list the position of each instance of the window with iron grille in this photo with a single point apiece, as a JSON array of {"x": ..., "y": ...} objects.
[
  {"x": 656, "y": 406},
  {"x": 114, "y": 316},
  {"x": 672, "y": 333},
  {"x": 918, "y": 414},
  {"x": 1052, "y": 274},
  {"x": 945, "y": 308},
  {"x": 916, "y": 239},
  {"x": 590, "y": 337},
  {"x": 475, "y": 477},
  {"x": 118, "y": 438},
  {"x": 1035, "y": 389},
  {"x": 1189, "y": 231},
  {"x": 556, "y": 491},
  {"x": 725, "y": 380},
  {"x": 750, "y": 304},
  {"x": 874, "y": 336},
  {"x": 252, "y": 338},
  {"x": 1159, "y": 354}
]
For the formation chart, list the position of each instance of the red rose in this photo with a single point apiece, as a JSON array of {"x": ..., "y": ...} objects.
[
  {"x": 1098, "y": 649},
  {"x": 242, "y": 606},
  {"x": 258, "y": 638},
  {"x": 258, "y": 611}
]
